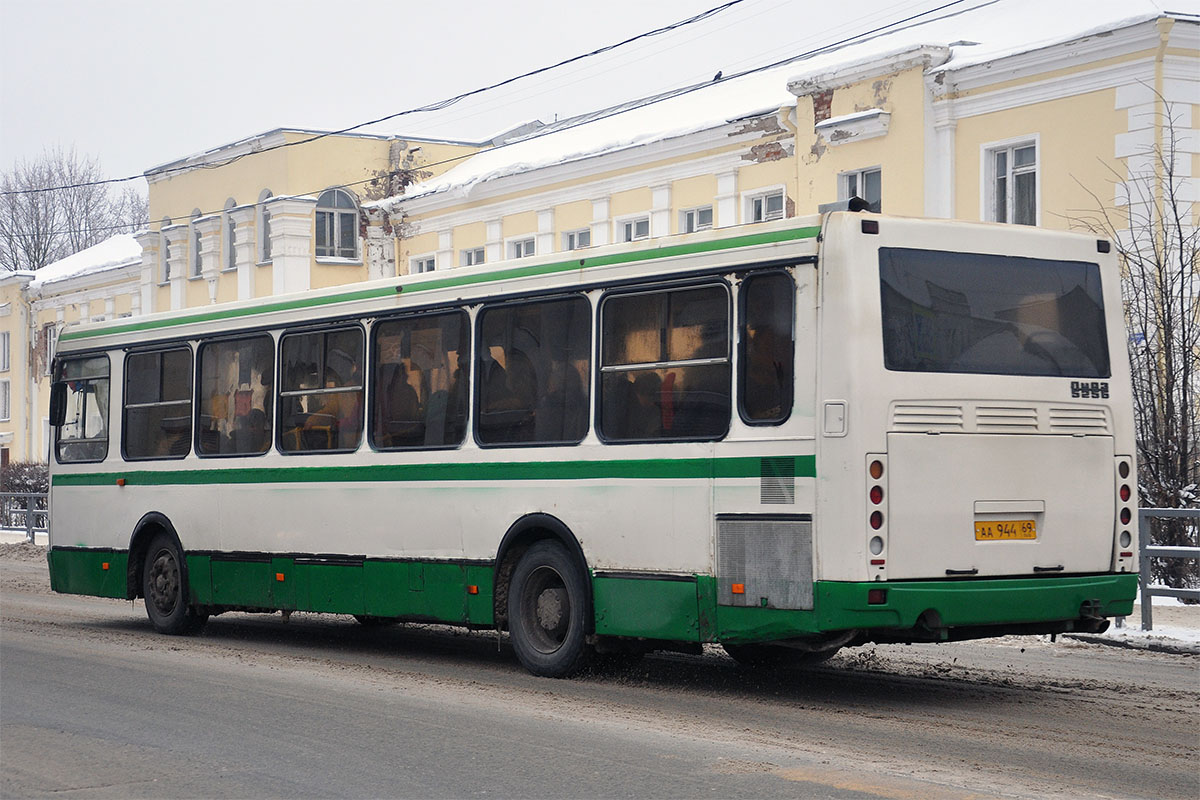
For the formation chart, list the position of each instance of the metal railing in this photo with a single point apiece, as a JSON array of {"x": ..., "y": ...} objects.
[
  {"x": 1148, "y": 551},
  {"x": 27, "y": 511}
]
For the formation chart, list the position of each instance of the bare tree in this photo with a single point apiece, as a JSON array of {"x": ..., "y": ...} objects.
[
  {"x": 39, "y": 227},
  {"x": 1155, "y": 233}
]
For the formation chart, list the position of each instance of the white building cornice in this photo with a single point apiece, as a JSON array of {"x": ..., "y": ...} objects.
[
  {"x": 1064, "y": 56},
  {"x": 924, "y": 56},
  {"x": 529, "y": 185}
]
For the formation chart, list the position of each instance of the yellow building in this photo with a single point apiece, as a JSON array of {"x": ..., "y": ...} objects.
[{"x": 974, "y": 116}]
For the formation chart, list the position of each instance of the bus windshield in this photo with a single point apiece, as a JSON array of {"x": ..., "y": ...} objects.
[{"x": 991, "y": 314}]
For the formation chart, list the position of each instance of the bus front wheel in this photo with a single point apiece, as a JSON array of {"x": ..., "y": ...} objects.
[
  {"x": 548, "y": 608},
  {"x": 165, "y": 590}
]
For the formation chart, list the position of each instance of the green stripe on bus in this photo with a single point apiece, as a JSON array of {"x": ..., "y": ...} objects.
[
  {"x": 666, "y": 251},
  {"x": 659, "y": 468}
]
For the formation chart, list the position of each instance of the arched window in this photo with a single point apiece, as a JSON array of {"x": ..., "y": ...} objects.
[
  {"x": 197, "y": 264},
  {"x": 337, "y": 225},
  {"x": 230, "y": 233},
  {"x": 264, "y": 226}
]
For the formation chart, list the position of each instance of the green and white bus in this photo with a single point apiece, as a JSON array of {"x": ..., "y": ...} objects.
[{"x": 785, "y": 438}]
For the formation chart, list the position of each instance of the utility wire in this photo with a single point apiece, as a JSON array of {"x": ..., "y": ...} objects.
[
  {"x": 587, "y": 119},
  {"x": 436, "y": 106}
]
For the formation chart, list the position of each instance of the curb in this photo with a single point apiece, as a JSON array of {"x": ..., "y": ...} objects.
[{"x": 1171, "y": 646}]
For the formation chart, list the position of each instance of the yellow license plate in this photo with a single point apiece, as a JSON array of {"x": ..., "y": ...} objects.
[{"x": 999, "y": 529}]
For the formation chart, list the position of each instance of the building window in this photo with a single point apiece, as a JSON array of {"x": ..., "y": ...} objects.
[
  {"x": 197, "y": 264},
  {"x": 158, "y": 404},
  {"x": 766, "y": 207},
  {"x": 5, "y": 414},
  {"x": 337, "y": 225},
  {"x": 1012, "y": 173},
  {"x": 520, "y": 248},
  {"x": 575, "y": 240},
  {"x": 634, "y": 229},
  {"x": 4, "y": 348},
  {"x": 424, "y": 264},
  {"x": 472, "y": 257},
  {"x": 866, "y": 184},
  {"x": 696, "y": 219},
  {"x": 264, "y": 227}
]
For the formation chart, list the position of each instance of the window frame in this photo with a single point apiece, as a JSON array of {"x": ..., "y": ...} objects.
[
  {"x": 988, "y": 205},
  {"x": 334, "y": 225},
  {"x": 57, "y": 439},
  {"x": 269, "y": 405},
  {"x": 692, "y": 215},
  {"x": 191, "y": 400},
  {"x": 5, "y": 351},
  {"x": 373, "y": 392},
  {"x": 740, "y": 373},
  {"x": 600, "y": 369},
  {"x": 522, "y": 247},
  {"x": 476, "y": 396},
  {"x": 229, "y": 236},
  {"x": 414, "y": 264},
  {"x": 281, "y": 393},
  {"x": 859, "y": 177},
  {"x": 630, "y": 223},
  {"x": 467, "y": 256},
  {"x": 763, "y": 195},
  {"x": 5, "y": 400},
  {"x": 570, "y": 239}
]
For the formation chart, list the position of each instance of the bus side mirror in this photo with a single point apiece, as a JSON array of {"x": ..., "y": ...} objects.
[{"x": 58, "y": 404}]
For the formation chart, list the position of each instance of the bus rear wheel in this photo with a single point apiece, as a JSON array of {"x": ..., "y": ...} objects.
[
  {"x": 548, "y": 608},
  {"x": 165, "y": 590}
]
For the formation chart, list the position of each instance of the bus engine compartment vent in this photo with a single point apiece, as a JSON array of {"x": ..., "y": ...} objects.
[
  {"x": 765, "y": 561},
  {"x": 777, "y": 481}
]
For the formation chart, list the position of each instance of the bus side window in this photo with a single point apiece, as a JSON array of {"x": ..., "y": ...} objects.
[
  {"x": 419, "y": 369},
  {"x": 665, "y": 368},
  {"x": 236, "y": 383},
  {"x": 83, "y": 435},
  {"x": 767, "y": 340},
  {"x": 158, "y": 404},
  {"x": 532, "y": 366},
  {"x": 321, "y": 391}
]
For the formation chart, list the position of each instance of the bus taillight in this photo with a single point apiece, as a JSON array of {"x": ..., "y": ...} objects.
[{"x": 876, "y": 520}]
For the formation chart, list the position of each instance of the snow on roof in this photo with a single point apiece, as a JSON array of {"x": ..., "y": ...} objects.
[
  {"x": 979, "y": 34},
  {"x": 118, "y": 251}
]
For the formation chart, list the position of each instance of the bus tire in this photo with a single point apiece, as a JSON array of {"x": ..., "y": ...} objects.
[
  {"x": 164, "y": 588},
  {"x": 548, "y": 609},
  {"x": 767, "y": 655}
]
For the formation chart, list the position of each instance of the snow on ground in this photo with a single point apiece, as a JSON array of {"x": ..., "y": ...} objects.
[{"x": 117, "y": 251}]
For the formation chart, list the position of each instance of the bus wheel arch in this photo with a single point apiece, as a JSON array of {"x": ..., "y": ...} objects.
[
  {"x": 155, "y": 533},
  {"x": 522, "y": 535},
  {"x": 149, "y": 526}
]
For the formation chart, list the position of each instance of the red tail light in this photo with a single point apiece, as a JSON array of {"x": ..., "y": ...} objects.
[{"x": 876, "y": 520}]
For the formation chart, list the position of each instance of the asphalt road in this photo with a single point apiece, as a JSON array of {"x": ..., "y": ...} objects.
[{"x": 94, "y": 704}]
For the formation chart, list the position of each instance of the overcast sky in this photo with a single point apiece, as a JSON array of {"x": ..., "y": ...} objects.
[{"x": 142, "y": 82}]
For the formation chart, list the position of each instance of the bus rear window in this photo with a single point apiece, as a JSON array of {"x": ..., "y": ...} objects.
[{"x": 991, "y": 314}]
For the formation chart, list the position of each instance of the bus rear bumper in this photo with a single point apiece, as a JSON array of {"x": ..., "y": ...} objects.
[{"x": 941, "y": 610}]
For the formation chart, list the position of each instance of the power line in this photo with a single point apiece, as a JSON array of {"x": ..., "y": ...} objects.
[
  {"x": 436, "y": 106},
  {"x": 900, "y": 24}
]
